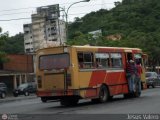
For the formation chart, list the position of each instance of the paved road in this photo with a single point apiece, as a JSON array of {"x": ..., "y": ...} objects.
[{"x": 148, "y": 103}]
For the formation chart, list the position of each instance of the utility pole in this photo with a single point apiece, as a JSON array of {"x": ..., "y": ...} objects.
[{"x": 66, "y": 14}]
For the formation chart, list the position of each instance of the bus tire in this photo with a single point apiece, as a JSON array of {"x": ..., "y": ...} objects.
[
  {"x": 128, "y": 95},
  {"x": 3, "y": 95},
  {"x": 96, "y": 100},
  {"x": 110, "y": 98},
  {"x": 69, "y": 102},
  {"x": 26, "y": 93},
  {"x": 103, "y": 94},
  {"x": 15, "y": 95},
  {"x": 43, "y": 99}
]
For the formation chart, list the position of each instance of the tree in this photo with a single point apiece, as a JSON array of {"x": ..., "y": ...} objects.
[
  {"x": 136, "y": 20},
  {"x": 15, "y": 44},
  {"x": 3, "y": 58}
]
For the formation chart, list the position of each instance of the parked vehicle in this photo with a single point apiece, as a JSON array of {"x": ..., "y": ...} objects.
[
  {"x": 3, "y": 90},
  {"x": 152, "y": 79},
  {"x": 25, "y": 89}
]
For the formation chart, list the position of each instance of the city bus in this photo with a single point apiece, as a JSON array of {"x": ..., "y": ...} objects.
[{"x": 71, "y": 73}]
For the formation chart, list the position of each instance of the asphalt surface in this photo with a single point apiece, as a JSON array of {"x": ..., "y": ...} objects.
[
  {"x": 10, "y": 98},
  {"x": 32, "y": 108}
]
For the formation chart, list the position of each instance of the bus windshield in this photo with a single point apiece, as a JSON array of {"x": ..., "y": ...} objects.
[{"x": 54, "y": 61}]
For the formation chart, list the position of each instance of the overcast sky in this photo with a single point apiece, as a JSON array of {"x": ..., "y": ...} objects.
[{"x": 15, "y": 9}]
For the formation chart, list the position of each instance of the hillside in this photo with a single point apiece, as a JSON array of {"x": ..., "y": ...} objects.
[{"x": 137, "y": 21}]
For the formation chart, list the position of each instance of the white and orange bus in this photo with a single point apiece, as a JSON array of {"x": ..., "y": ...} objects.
[{"x": 70, "y": 73}]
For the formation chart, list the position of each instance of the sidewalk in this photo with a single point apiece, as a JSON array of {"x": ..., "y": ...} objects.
[{"x": 10, "y": 98}]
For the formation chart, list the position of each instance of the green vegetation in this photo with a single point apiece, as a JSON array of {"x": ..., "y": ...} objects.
[
  {"x": 137, "y": 21},
  {"x": 3, "y": 38},
  {"x": 10, "y": 45},
  {"x": 15, "y": 44}
]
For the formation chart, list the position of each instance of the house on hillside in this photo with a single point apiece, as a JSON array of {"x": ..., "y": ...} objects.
[{"x": 114, "y": 37}]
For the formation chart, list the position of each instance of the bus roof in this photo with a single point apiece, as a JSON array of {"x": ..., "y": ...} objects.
[
  {"x": 87, "y": 46},
  {"x": 97, "y": 47}
]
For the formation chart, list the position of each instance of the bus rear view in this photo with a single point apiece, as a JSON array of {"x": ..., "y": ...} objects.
[{"x": 53, "y": 74}]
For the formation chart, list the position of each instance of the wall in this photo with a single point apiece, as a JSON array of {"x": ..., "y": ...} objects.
[{"x": 19, "y": 63}]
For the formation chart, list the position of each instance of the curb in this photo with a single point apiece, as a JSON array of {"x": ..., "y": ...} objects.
[{"x": 11, "y": 99}]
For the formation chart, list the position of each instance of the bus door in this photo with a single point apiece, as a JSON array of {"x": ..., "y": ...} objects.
[
  {"x": 129, "y": 56},
  {"x": 54, "y": 67}
]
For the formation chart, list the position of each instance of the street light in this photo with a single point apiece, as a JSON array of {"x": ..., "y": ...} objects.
[
  {"x": 75, "y": 3},
  {"x": 67, "y": 15}
]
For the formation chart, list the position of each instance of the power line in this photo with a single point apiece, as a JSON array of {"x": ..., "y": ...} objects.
[
  {"x": 61, "y": 15},
  {"x": 15, "y": 19},
  {"x": 31, "y": 11},
  {"x": 7, "y": 10},
  {"x": 27, "y": 8},
  {"x": 16, "y": 9},
  {"x": 14, "y": 13}
]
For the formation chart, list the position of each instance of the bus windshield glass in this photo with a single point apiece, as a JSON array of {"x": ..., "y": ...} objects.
[{"x": 54, "y": 61}]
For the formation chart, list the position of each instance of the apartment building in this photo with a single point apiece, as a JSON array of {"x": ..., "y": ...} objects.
[
  {"x": 28, "y": 39},
  {"x": 45, "y": 29}
]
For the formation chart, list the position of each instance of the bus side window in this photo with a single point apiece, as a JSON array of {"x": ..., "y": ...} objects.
[
  {"x": 88, "y": 60},
  {"x": 116, "y": 59},
  {"x": 85, "y": 60},
  {"x": 102, "y": 60},
  {"x": 80, "y": 60},
  {"x": 138, "y": 59}
]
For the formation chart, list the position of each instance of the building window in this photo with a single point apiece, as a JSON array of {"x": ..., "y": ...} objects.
[
  {"x": 54, "y": 39},
  {"x": 53, "y": 28},
  {"x": 116, "y": 60},
  {"x": 52, "y": 21},
  {"x": 28, "y": 50},
  {"x": 102, "y": 60},
  {"x": 27, "y": 43},
  {"x": 53, "y": 33},
  {"x": 26, "y": 32}
]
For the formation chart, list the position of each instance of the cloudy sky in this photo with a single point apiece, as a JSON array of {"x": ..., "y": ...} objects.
[{"x": 11, "y": 10}]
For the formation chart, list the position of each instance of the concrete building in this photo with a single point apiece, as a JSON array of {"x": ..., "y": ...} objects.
[
  {"x": 46, "y": 28},
  {"x": 28, "y": 38}
]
